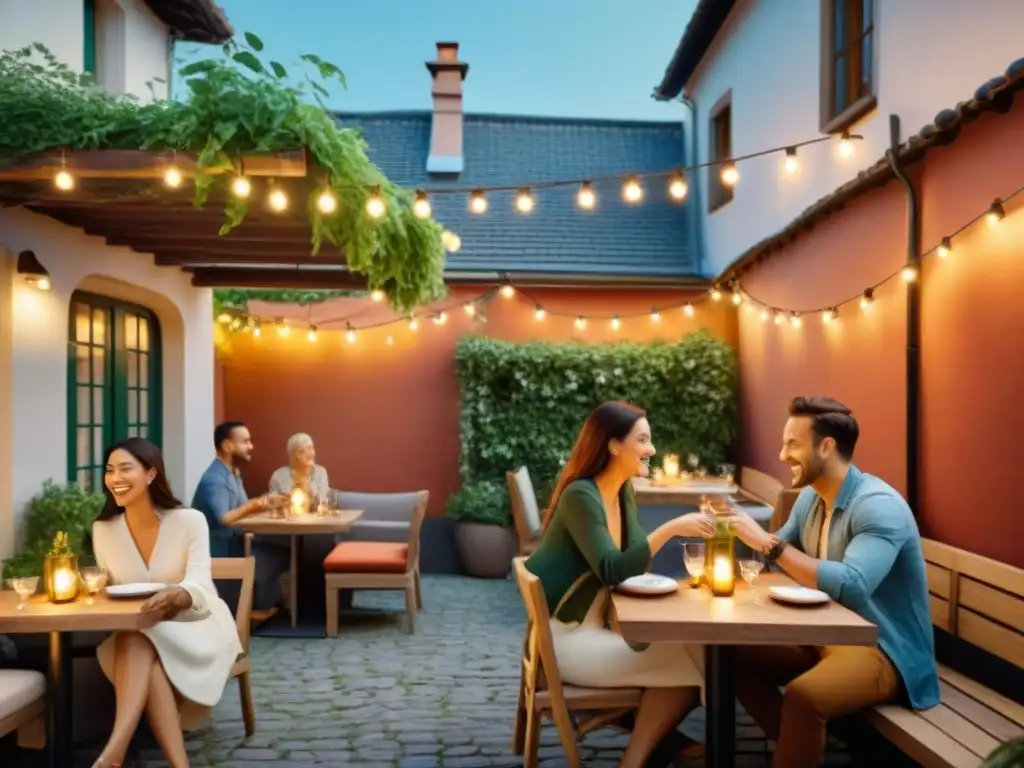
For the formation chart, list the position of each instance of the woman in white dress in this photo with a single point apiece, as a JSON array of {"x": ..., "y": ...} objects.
[
  {"x": 302, "y": 470},
  {"x": 174, "y": 671}
]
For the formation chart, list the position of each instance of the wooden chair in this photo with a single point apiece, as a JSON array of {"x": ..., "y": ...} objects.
[
  {"x": 542, "y": 693},
  {"x": 241, "y": 569},
  {"x": 980, "y": 601},
  {"x": 783, "y": 508},
  {"x": 378, "y": 565},
  {"x": 525, "y": 511},
  {"x": 762, "y": 489},
  {"x": 23, "y": 706}
]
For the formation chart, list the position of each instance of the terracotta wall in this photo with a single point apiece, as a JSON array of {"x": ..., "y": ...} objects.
[
  {"x": 970, "y": 347},
  {"x": 386, "y": 417}
]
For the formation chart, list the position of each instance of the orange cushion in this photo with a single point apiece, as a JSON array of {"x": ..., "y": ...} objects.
[{"x": 367, "y": 557}]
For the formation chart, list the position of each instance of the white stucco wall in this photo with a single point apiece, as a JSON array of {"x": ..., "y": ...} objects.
[
  {"x": 33, "y": 356},
  {"x": 931, "y": 54},
  {"x": 132, "y": 46}
]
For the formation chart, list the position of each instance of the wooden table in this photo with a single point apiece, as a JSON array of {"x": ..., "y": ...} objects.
[
  {"x": 295, "y": 527},
  {"x": 721, "y": 624},
  {"x": 688, "y": 492},
  {"x": 60, "y": 622}
]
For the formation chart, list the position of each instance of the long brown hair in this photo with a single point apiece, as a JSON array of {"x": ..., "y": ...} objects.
[
  {"x": 149, "y": 456},
  {"x": 612, "y": 420}
]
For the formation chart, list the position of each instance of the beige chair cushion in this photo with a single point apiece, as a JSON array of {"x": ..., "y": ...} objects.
[
  {"x": 530, "y": 509},
  {"x": 18, "y": 689}
]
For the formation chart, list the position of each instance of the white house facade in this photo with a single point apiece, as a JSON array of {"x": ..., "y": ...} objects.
[
  {"x": 110, "y": 345},
  {"x": 766, "y": 73}
]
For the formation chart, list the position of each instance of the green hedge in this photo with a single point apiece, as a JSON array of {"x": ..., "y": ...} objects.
[{"x": 525, "y": 404}]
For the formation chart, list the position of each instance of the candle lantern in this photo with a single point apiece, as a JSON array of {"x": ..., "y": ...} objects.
[
  {"x": 299, "y": 501},
  {"x": 60, "y": 571},
  {"x": 670, "y": 466},
  {"x": 720, "y": 558}
]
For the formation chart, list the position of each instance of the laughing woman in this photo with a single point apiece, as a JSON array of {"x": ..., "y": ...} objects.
[
  {"x": 593, "y": 541},
  {"x": 176, "y": 670}
]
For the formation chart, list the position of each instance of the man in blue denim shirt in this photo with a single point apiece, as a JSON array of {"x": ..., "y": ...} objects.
[
  {"x": 221, "y": 496},
  {"x": 853, "y": 537}
]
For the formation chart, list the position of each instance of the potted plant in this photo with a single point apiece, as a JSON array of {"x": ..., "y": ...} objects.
[{"x": 483, "y": 528}]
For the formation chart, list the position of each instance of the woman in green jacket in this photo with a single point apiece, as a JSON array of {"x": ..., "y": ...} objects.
[{"x": 592, "y": 541}]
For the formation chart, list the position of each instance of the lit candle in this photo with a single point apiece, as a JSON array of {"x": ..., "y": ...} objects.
[
  {"x": 65, "y": 585},
  {"x": 671, "y": 466},
  {"x": 299, "y": 502},
  {"x": 723, "y": 578}
]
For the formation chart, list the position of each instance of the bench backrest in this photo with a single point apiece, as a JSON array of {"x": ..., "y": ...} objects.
[
  {"x": 979, "y": 600},
  {"x": 760, "y": 486}
]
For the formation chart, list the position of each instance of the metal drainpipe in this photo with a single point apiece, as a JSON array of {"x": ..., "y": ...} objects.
[
  {"x": 913, "y": 396},
  {"x": 695, "y": 197}
]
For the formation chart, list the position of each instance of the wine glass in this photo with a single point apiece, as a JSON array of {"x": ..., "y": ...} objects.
[
  {"x": 95, "y": 578},
  {"x": 25, "y": 586},
  {"x": 693, "y": 559},
  {"x": 728, "y": 473},
  {"x": 750, "y": 569}
]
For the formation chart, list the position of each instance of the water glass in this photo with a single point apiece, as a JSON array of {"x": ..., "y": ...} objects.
[
  {"x": 95, "y": 579},
  {"x": 750, "y": 569},
  {"x": 693, "y": 559},
  {"x": 25, "y": 586},
  {"x": 728, "y": 473}
]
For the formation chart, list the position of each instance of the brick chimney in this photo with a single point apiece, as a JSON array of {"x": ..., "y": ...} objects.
[{"x": 446, "y": 125}]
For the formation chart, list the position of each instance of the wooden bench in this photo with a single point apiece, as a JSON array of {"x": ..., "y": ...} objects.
[
  {"x": 981, "y": 602},
  {"x": 22, "y": 706}
]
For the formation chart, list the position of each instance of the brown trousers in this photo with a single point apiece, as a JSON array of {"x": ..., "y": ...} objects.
[{"x": 820, "y": 683}]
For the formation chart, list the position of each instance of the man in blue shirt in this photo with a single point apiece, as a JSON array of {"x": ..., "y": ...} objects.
[
  {"x": 221, "y": 496},
  {"x": 853, "y": 537}
]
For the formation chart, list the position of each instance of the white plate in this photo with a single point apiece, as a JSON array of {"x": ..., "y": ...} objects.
[
  {"x": 649, "y": 584},
  {"x": 133, "y": 590},
  {"x": 799, "y": 595}
]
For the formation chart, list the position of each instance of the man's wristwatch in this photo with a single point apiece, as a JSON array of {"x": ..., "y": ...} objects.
[{"x": 775, "y": 549}]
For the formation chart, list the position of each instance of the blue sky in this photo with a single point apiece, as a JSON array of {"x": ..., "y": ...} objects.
[{"x": 569, "y": 58}]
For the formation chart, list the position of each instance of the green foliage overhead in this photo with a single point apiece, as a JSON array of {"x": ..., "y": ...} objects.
[
  {"x": 57, "y": 508},
  {"x": 236, "y": 104},
  {"x": 239, "y": 298},
  {"x": 525, "y": 404}
]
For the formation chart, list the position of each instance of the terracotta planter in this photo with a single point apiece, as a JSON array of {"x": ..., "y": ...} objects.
[{"x": 485, "y": 550}]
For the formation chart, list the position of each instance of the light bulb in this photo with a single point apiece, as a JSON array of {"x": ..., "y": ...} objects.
[
  {"x": 350, "y": 335},
  {"x": 283, "y": 329},
  {"x": 375, "y": 207},
  {"x": 470, "y": 309},
  {"x": 414, "y": 324},
  {"x": 778, "y": 318},
  {"x": 867, "y": 300},
  {"x": 945, "y": 248},
  {"x": 241, "y": 187},
  {"x": 791, "y": 164},
  {"x": 507, "y": 291},
  {"x": 795, "y": 320},
  {"x": 737, "y": 298},
  {"x": 716, "y": 294},
  {"x": 764, "y": 315},
  {"x": 655, "y": 316},
  {"x": 581, "y": 323},
  {"x": 525, "y": 201},
  {"x": 585, "y": 198},
  {"x": 278, "y": 200},
  {"x": 64, "y": 181},
  {"x": 616, "y": 323},
  {"x": 632, "y": 192},
  {"x": 311, "y": 335},
  {"x": 223, "y": 318},
  {"x": 995, "y": 212},
  {"x": 829, "y": 315},
  {"x": 440, "y": 318},
  {"x": 688, "y": 309},
  {"x": 421, "y": 206},
  {"x": 389, "y": 340},
  {"x": 846, "y": 148},
  {"x": 677, "y": 187},
  {"x": 172, "y": 177},
  {"x": 539, "y": 312},
  {"x": 256, "y": 331},
  {"x": 326, "y": 203},
  {"x": 377, "y": 296},
  {"x": 477, "y": 202},
  {"x": 729, "y": 175},
  {"x": 909, "y": 273}
]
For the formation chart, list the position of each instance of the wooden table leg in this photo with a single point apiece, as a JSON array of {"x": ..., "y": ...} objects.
[
  {"x": 293, "y": 582},
  {"x": 720, "y": 712}
]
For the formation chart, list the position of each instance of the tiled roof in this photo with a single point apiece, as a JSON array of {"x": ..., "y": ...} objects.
[
  {"x": 707, "y": 19},
  {"x": 996, "y": 95},
  {"x": 647, "y": 240},
  {"x": 195, "y": 21}
]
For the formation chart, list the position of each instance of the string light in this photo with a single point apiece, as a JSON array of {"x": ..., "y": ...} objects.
[
  {"x": 995, "y": 212},
  {"x": 829, "y": 315},
  {"x": 414, "y": 324},
  {"x": 507, "y": 291},
  {"x": 350, "y": 334},
  {"x": 909, "y": 273},
  {"x": 585, "y": 198},
  {"x": 581, "y": 323},
  {"x": 377, "y": 296},
  {"x": 867, "y": 299},
  {"x": 326, "y": 203},
  {"x": 525, "y": 201},
  {"x": 421, "y": 206},
  {"x": 791, "y": 164},
  {"x": 390, "y": 340},
  {"x": 777, "y": 319},
  {"x": 311, "y": 334},
  {"x": 477, "y": 202},
  {"x": 470, "y": 309},
  {"x": 241, "y": 187},
  {"x": 375, "y": 207},
  {"x": 277, "y": 200},
  {"x": 616, "y": 323},
  {"x": 677, "y": 187},
  {"x": 945, "y": 248},
  {"x": 764, "y": 315},
  {"x": 795, "y": 320},
  {"x": 729, "y": 174},
  {"x": 655, "y": 316},
  {"x": 846, "y": 149},
  {"x": 256, "y": 329},
  {"x": 539, "y": 312},
  {"x": 715, "y": 293},
  {"x": 688, "y": 309},
  {"x": 440, "y": 318},
  {"x": 632, "y": 191},
  {"x": 283, "y": 329},
  {"x": 737, "y": 297},
  {"x": 450, "y": 241}
]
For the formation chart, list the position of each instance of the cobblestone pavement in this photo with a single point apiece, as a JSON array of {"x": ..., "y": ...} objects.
[{"x": 377, "y": 697}]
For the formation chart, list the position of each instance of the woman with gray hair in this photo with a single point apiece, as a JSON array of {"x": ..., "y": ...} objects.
[{"x": 302, "y": 470}]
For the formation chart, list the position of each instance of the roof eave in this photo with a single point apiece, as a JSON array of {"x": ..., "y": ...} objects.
[
  {"x": 708, "y": 18},
  {"x": 194, "y": 21}
]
